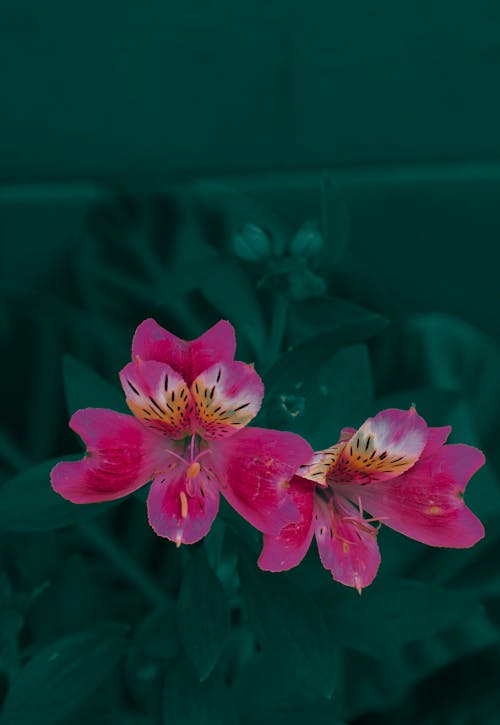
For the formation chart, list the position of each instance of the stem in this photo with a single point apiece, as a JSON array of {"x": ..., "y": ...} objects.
[
  {"x": 278, "y": 328},
  {"x": 105, "y": 544}
]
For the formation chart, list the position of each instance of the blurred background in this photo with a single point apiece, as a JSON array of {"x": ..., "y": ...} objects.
[{"x": 136, "y": 143}]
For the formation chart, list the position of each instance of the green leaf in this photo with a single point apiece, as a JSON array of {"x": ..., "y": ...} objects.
[
  {"x": 226, "y": 212},
  {"x": 63, "y": 675},
  {"x": 392, "y": 612},
  {"x": 202, "y": 614},
  {"x": 317, "y": 406},
  {"x": 302, "y": 361},
  {"x": 309, "y": 317},
  {"x": 291, "y": 628},
  {"x": 186, "y": 701},
  {"x": 84, "y": 388},
  {"x": 28, "y": 502},
  {"x": 229, "y": 289},
  {"x": 157, "y": 634}
]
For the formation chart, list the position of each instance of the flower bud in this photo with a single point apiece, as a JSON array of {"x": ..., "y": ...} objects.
[
  {"x": 251, "y": 243},
  {"x": 308, "y": 240}
]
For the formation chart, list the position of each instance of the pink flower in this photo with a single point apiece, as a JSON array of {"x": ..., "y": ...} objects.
[
  {"x": 398, "y": 470},
  {"x": 190, "y": 402}
]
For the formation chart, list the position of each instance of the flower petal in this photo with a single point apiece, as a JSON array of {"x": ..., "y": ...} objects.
[
  {"x": 426, "y": 503},
  {"x": 254, "y": 468},
  {"x": 226, "y": 397},
  {"x": 158, "y": 396},
  {"x": 188, "y": 358},
  {"x": 321, "y": 464},
  {"x": 181, "y": 511},
  {"x": 436, "y": 438},
  {"x": 290, "y": 546},
  {"x": 385, "y": 446},
  {"x": 347, "y": 546},
  {"x": 122, "y": 456}
]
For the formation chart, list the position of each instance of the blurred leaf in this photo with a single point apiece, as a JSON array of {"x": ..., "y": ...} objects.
[
  {"x": 291, "y": 627},
  {"x": 309, "y": 317},
  {"x": 84, "y": 388},
  {"x": 225, "y": 212},
  {"x": 230, "y": 290},
  {"x": 11, "y": 623},
  {"x": 393, "y": 612},
  {"x": 317, "y": 406},
  {"x": 186, "y": 701},
  {"x": 28, "y": 502},
  {"x": 203, "y": 629},
  {"x": 63, "y": 675},
  {"x": 379, "y": 681},
  {"x": 157, "y": 634},
  {"x": 301, "y": 361},
  {"x": 67, "y": 603},
  {"x": 334, "y": 221}
]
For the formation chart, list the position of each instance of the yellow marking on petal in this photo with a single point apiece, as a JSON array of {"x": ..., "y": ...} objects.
[
  {"x": 345, "y": 547},
  {"x": 434, "y": 510},
  {"x": 178, "y": 540},
  {"x": 184, "y": 504},
  {"x": 193, "y": 470},
  {"x": 321, "y": 464}
]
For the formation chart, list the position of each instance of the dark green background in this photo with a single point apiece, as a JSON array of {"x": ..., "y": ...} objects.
[{"x": 113, "y": 116}]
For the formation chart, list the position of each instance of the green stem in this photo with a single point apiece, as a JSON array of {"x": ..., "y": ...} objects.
[
  {"x": 278, "y": 328},
  {"x": 100, "y": 540}
]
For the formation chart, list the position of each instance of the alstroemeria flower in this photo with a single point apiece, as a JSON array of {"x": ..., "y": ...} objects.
[
  {"x": 190, "y": 402},
  {"x": 397, "y": 469}
]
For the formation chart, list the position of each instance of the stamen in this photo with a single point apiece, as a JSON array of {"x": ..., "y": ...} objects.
[
  {"x": 193, "y": 470},
  {"x": 184, "y": 504}
]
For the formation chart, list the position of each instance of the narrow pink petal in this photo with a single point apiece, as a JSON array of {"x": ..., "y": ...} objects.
[
  {"x": 289, "y": 547},
  {"x": 226, "y": 397},
  {"x": 181, "y": 509},
  {"x": 384, "y": 447},
  {"x": 122, "y": 456},
  {"x": 347, "y": 548},
  {"x": 426, "y": 502},
  {"x": 254, "y": 468},
  {"x": 188, "y": 358},
  {"x": 436, "y": 438},
  {"x": 158, "y": 396}
]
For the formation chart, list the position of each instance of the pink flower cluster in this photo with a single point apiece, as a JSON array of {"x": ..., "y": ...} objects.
[{"x": 191, "y": 403}]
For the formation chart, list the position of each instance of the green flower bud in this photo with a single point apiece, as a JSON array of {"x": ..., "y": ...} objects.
[
  {"x": 308, "y": 240},
  {"x": 251, "y": 243}
]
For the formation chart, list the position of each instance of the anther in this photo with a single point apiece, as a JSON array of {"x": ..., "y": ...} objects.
[
  {"x": 193, "y": 470},
  {"x": 184, "y": 504}
]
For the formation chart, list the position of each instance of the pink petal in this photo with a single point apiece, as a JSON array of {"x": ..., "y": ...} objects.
[
  {"x": 346, "y": 434},
  {"x": 347, "y": 548},
  {"x": 181, "y": 511},
  {"x": 254, "y": 468},
  {"x": 384, "y": 447},
  {"x": 290, "y": 546},
  {"x": 122, "y": 456},
  {"x": 436, "y": 438},
  {"x": 426, "y": 503},
  {"x": 158, "y": 396},
  {"x": 227, "y": 397},
  {"x": 321, "y": 464},
  {"x": 188, "y": 358}
]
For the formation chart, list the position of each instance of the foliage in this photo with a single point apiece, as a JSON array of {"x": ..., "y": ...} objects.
[{"x": 102, "y": 619}]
